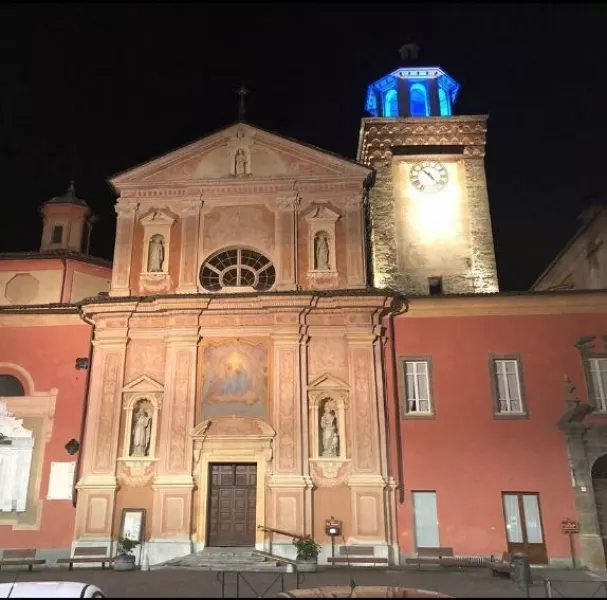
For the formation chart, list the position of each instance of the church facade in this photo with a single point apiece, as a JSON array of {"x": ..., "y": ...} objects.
[
  {"x": 223, "y": 409},
  {"x": 287, "y": 337}
]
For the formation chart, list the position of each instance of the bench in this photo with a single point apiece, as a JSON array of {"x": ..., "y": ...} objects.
[
  {"x": 357, "y": 560},
  {"x": 503, "y": 567},
  {"x": 21, "y": 558},
  {"x": 87, "y": 554},
  {"x": 432, "y": 556}
]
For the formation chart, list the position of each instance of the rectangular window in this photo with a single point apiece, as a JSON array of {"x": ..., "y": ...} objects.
[
  {"x": 416, "y": 375},
  {"x": 57, "y": 234},
  {"x": 507, "y": 386},
  {"x": 597, "y": 382},
  {"x": 425, "y": 516},
  {"x": 435, "y": 286}
]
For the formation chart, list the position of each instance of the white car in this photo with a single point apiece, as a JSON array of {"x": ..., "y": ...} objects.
[{"x": 50, "y": 589}]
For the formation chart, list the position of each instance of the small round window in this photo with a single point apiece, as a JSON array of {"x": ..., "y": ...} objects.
[{"x": 237, "y": 267}]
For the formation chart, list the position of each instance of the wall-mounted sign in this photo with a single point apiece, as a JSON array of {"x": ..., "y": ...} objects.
[
  {"x": 61, "y": 481},
  {"x": 569, "y": 526},
  {"x": 132, "y": 526}
]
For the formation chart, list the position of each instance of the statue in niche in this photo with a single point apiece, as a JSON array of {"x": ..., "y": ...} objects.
[
  {"x": 156, "y": 254},
  {"x": 322, "y": 251},
  {"x": 141, "y": 430},
  {"x": 330, "y": 437},
  {"x": 240, "y": 162}
]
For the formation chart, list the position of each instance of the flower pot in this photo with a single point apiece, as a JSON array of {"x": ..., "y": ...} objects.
[
  {"x": 307, "y": 565},
  {"x": 124, "y": 562}
]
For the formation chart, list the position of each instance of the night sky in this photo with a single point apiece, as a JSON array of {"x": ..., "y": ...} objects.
[{"x": 93, "y": 90}]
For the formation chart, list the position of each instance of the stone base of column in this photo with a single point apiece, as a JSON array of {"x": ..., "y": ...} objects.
[
  {"x": 592, "y": 553},
  {"x": 120, "y": 292},
  {"x": 187, "y": 289},
  {"x": 161, "y": 550}
]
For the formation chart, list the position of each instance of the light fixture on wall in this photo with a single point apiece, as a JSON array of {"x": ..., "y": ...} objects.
[
  {"x": 72, "y": 447},
  {"x": 82, "y": 364}
]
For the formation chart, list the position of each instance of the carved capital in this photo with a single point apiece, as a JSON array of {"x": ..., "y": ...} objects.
[
  {"x": 355, "y": 202},
  {"x": 288, "y": 203},
  {"x": 126, "y": 210},
  {"x": 191, "y": 208}
]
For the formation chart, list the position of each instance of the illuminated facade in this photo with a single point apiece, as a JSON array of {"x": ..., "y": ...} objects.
[
  {"x": 239, "y": 372},
  {"x": 429, "y": 208}
]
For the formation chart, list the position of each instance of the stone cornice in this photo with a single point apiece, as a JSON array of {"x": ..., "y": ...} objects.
[
  {"x": 534, "y": 303},
  {"x": 251, "y": 312},
  {"x": 188, "y": 190},
  {"x": 379, "y": 135}
]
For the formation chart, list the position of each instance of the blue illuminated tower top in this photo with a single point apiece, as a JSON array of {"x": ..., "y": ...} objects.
[{"x": 412, "y": 92}]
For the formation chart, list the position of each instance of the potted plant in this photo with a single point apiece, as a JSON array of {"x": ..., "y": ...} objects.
[
  {"x": 125, "y": 559},
  {"x": 307, "y": 554}
]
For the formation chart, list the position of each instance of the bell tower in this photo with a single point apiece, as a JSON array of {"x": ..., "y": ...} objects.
[
  {"x": 67, "y": 223},
  {"x": 429, "y": 209}
]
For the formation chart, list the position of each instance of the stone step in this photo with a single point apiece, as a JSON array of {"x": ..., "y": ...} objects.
[
  {"x": 247, "y": 567},
  {"x": 223, "y": 559}
]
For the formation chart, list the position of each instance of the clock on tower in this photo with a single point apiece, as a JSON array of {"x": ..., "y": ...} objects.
[{"x": 429, "y": 207}]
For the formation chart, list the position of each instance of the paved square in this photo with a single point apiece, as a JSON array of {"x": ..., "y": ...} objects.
[{"x": 181, "y": 583}]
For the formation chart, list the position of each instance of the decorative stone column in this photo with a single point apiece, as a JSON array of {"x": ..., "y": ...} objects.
[
  {"x": 285, "y": 225},
  {"x": 291, "y": 504},
  {"x": 97, "y": 485},
  {"x": 125, "y": 227},
  {"x": 355, "y": 235},
  {"x": 188, "y": 263},
  {"x": 173, "y": 484},
  {"x": 367, "y": 483}
]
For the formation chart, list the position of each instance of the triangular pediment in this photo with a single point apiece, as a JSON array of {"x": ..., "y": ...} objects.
[
  {"x": 328, "y": 382},
  {"x": 241, "y": 152},
  {"x": 143, "y": 384}
]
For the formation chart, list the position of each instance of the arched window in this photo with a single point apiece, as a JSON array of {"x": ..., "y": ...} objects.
[
  {"x": 391, "y": 104},
  {"x": 445, "y": 104},
  {"x": 11, "y": 386},
  {"x": 418, "y": 97},
  {"x": 371, "y": 104},
  {"x": 237, "y": 268}
]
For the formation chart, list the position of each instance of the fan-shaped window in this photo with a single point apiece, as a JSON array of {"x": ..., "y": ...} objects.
[
  {"x": 391, "y": 104},
  {"x": 419, "y": 100},
  {"x": 236, "y": 268},
  {"x": 11, "y": 386}
]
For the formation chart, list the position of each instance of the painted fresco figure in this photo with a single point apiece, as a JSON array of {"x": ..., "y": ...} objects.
[
  {"x": 142, "y": 429},
  {"x": 322, "y": 252},
  {"x": 330, "y": 437},
  {"x": 156, "y": 254}
]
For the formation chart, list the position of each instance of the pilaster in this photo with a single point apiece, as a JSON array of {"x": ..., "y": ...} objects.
[
  {"x": 285, "y": 226},
  {"x": 173, "y": 483},
  {"x": 367, "y": 483},
  {"x": 125, "y": 227},
  {"x": 355, "y": 243},
  {"x": 188, "y": 265},
  {"x": 97, "y": 486},
  {"x": 291, "y": 506}
]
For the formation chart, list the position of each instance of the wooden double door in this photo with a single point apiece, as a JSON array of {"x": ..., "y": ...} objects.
[
  {"x": 524, "y": 530},
  {"x": 232, "y": 504}
]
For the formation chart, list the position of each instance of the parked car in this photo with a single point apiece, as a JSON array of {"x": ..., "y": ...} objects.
[{"x": 50, "y": 589}]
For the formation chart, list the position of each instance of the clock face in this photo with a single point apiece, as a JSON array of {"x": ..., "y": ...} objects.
[{"x": 429, "y": 176}]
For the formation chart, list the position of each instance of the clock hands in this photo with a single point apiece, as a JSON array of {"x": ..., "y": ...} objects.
[{"x": 429, "y": 174}]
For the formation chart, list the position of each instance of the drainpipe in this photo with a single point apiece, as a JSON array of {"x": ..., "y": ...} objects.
[
  {"x": 63, "y": 278},
  {"x": 85, "y": 407},
  {"x": 399, "y": 307}
]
